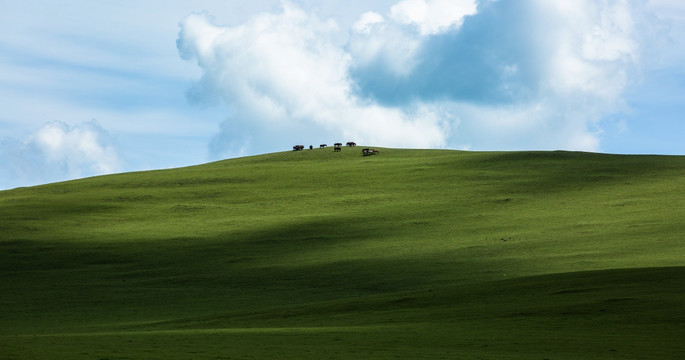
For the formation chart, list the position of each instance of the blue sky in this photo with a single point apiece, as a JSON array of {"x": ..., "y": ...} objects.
[{"x": 90, "y": 88}]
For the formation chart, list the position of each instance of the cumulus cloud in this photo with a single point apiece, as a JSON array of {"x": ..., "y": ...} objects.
[
  {"x": 432, "y": 16},
  {"x": 428, "y": 73},
  {"x": 58, "y": 151},
  {"x": 544, "y": 72},
  {"x": 282, "y": 76}
]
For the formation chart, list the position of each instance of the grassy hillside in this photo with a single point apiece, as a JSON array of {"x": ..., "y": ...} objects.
[{"x": 315, "y": 254}]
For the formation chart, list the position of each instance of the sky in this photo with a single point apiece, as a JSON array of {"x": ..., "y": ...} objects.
[{"x": 99, "y": 87}]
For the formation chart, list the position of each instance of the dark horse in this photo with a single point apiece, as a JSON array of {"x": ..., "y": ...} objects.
[
  {"x": 322, "y": 146},
  {"x": 298, "y": 147},
  {"x": 351, "y": 143},
  {"x": 337, "y": 148}
]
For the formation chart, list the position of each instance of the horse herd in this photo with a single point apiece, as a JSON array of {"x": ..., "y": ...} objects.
[{"x": 337, "y": 147}]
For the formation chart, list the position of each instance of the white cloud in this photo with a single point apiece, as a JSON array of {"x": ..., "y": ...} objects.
[
  {"x": 428, "y": 73},
  {"x": 283, "y": 76},
  {"x": 374, "y": 40},
  {"x": 268, "y": 65},
  {"x": 366, "y": 22},
  {"x": 58, "y": 151},
  {"x": 432, "y": 16},
  {"x": 397, "y": 43},
  {"x": 595, "y": 46},
  {"x": 84, "y": 148},
  {"x": 552, "y": 69}
]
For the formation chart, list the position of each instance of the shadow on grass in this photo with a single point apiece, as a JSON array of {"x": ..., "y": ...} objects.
[{"x": 545, "y": 171}]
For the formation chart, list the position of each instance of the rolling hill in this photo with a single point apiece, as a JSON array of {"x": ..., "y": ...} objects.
[{"x": 321, "y": 255}]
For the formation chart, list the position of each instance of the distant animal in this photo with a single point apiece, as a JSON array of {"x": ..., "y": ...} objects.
[
  {"x": 298, "y": 147},
  {"x": 322, "y": 146},
  {"x": 367, "y": 152},
  {"x": 338, "y": 144},
  {"x": 351, "y": 143},
  {"x": 337, "y": 148},
  {"x": 311, "y": 147}
]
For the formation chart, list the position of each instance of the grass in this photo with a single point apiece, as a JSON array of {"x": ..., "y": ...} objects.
[{"x": 315, "y": 254}]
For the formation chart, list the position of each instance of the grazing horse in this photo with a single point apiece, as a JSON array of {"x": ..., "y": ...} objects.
[
  {"x": 337, "y": 148},
  {"x": 351, "y": 143},
  {"x": 322, "y": 146},
  {"x": 338, "y": 144},
  {"x": 367, "y": 152},
  {"x": 298, "y": 147}
]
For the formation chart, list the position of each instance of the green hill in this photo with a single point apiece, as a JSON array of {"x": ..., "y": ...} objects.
[{"x": 321, "y": 255}]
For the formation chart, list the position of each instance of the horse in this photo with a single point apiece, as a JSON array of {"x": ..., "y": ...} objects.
[
  {"x": 367, "y": 152},
  {"x": 322, "y": 146},
  {"x": 337, "y": 148},
  {"x": 351, "y": 143},
  {"x": 338, "y": 144},
  {"x": 298, "y": 147}
]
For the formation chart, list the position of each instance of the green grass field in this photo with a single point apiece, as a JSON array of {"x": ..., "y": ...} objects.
[{"x": 313, "y": 254}]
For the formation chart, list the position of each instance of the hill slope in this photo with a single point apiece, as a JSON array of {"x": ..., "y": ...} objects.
[{"x": 316, "y": 254}]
